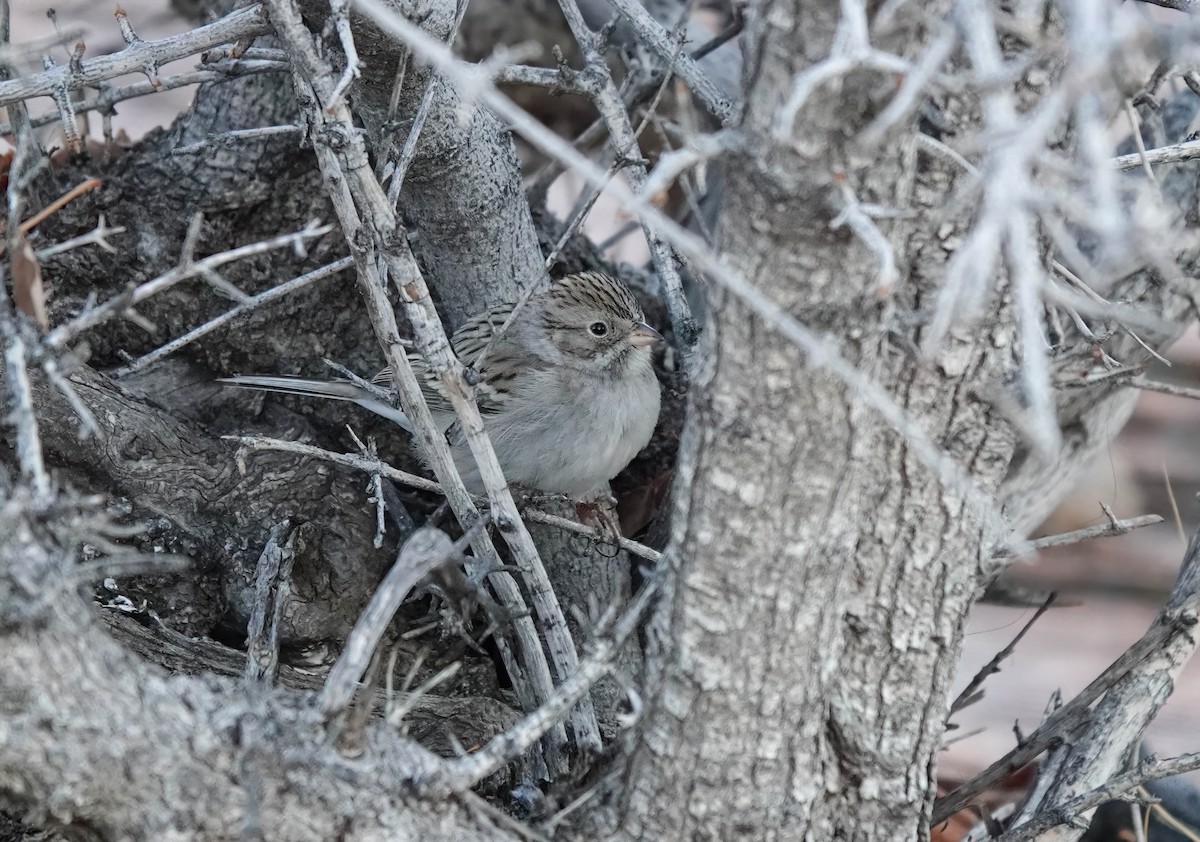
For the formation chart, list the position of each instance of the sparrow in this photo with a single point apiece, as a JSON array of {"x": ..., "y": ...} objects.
[{"x": 567, "y": 392}]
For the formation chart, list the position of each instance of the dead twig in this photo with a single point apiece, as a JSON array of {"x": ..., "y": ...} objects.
[
  {"x": 465, "y": 772},
  {"x": 972, "y": 693},
  {"x": 424, "y": 551},
  {"x": 188, "y": 268},
  {"x": 1136, "y": 684},
  {"x": 376, "y": 466},
  {"x": 254, "y": 302},
  {"x": 138, "y": 56}
]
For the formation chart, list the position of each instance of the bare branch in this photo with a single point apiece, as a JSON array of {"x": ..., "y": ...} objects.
[
  {"x": 372, "y": 465},
  {"x": 1165, "y": 388},
  {"x": 252, "y": 303},
  {"x": 111, "y": 95},
  {"x": 1110, "y": 735},
  {"x": 188, "y": 268},
  {"x": 339, "y": 10},
  {"x": 422, "y": 553},
  {"x": 1100, "y": 530},
  {"x": 658, "y": 39},
  {"x": 1175, "y": 154},
  {"x": 1148, "y": 658},
  {"x": 98, "y": 236},
  {"x": 971, "y": 693},
  {"x": 914, "y": 86},
  {"x": 229, "y": 139},
  {"x": 1188, "y": 6},
  {"x": 465, "y": 772},
  {"x": 1118, "y": 788},
  {"x": 854, "y": 214},
  {"x": 238, "y": 25}
]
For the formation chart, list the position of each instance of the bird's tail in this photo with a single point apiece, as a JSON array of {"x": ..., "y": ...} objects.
[{"x": 338, "y": 390}]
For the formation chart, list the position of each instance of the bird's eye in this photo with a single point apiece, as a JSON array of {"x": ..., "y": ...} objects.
[{"x": 598, "y": 328}]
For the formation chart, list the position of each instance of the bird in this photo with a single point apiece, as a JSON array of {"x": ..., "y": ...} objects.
[{"x": 567, "y": 393}]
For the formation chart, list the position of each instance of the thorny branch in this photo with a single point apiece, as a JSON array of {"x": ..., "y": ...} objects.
[
  {"x": 376, "y": 466},
  {"x": 657, "y": 38},
  {"x": 139, "y": 57},
  {"x": 423, "y": 552},
  {"x": 1101, "y": 741},
  {"x": 1118, "y": 788},
  {"x": 1139, "y": 666},
  {"x": 361, "y": 197},
  {"x": 266, "y": 297},
  {"x": 188, "y": 268},
  {"x": 109, "y": 95}
]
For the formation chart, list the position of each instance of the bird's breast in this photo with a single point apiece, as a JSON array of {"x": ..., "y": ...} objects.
[{"x": 570, "y": 432}]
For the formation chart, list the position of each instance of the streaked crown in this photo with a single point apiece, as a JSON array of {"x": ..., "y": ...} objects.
[{"x": 591, "y": 319}]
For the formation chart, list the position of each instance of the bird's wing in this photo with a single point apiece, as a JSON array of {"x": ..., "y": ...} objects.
[{"x": 469, "y": 342}]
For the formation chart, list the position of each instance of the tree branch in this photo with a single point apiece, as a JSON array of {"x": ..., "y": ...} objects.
[{"x": 138, "y": 57}]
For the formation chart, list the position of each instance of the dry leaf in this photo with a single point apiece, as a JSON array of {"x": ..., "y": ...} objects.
[
  {"x": 6, "y": 159},
  {"x": 27, "y": 284}
]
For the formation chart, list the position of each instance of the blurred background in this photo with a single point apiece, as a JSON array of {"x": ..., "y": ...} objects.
[{"x": 1115, "y": 585}]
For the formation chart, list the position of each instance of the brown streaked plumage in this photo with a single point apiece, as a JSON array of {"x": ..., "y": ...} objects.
[{"x": 567, "y": 392}]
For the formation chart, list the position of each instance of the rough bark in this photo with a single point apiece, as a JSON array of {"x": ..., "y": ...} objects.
[
  {"x": 820, "y": 574},
  {"x": 177, "y": 757}
]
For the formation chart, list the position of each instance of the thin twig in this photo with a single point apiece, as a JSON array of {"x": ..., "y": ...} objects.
[
  {"x": 971, "y": 693},
  {"x": 464, "y": 772},
  {"x": 1059, "y": 724},
  {"x": 1159, "y": 653},
  {"x": 372, "y": 465},
  {"x": 253, "y": 303},
  {"x": 409, "y": 150},
  {"x": 112, "y": 95},
  {"x": 98, "y": 236},
  {"x": 1165, "y": 388},
  {"x": 1136, "y": 130},
  {"x": 339, "y": 11},
  {"x": 424, "y": 551},
  {"x": 658, "y": 39},
  {"x": 58, "y": 204},
  {"x": 1115, "y": 790},
  {"x": 62, "y": 335},
  {"x": 1100, "y": 530},
  {"x": 226, "y": 140},
  {"x": 1174, "y": 504}
]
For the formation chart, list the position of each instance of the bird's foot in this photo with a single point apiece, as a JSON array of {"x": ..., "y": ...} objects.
[{"x": 601, "y": 514}]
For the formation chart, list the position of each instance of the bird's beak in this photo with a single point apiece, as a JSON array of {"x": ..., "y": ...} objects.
[{"x": 644, "y": 335}]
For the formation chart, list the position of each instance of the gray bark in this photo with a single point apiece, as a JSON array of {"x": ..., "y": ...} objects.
[
  {"x": 130, "y": 752},
  {"x": 819, "y": 574}
]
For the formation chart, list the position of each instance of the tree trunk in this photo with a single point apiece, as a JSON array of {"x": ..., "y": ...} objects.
[{"x": 819, "y": 572}]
